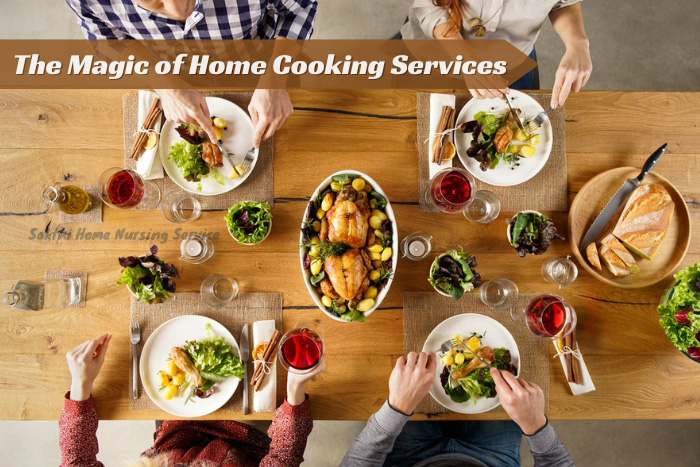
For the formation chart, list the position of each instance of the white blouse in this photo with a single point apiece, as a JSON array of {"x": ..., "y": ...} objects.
[{"x": 517, "y": 21}]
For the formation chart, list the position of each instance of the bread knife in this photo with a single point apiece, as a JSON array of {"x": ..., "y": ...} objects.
[{"x": 618, "y": 199}]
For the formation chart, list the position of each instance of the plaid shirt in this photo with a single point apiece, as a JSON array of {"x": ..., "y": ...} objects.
[{"x": 211, "y": 19}]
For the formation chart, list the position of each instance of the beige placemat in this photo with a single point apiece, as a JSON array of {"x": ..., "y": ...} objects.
[
  {"x": 257, "y": 187},
  {"x": 246, "y": 308},
  {"x": 94, "y": 214},
  {"x": 423, "y": 311},
  {"x": 61, "y": 274},
  {"x": 546, "y": 191}
]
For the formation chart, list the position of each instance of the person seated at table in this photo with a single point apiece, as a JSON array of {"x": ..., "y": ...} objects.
[
  {"x": 184, "y": 442},
  {"x": 388, "y": 440},
  {"x": 517, "y": 22},
  {"x": 204, "y": 19}
]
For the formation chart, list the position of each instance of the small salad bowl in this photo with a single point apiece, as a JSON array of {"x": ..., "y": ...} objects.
[
  {"x": 252, "y": 244},
  {"x": 444, "y": 294},
  {"x": 509, "y": 225},
  {"x": 261, "y": 207}
]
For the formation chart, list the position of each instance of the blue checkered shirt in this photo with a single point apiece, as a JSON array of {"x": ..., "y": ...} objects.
[{"x": 211, "y": 19}]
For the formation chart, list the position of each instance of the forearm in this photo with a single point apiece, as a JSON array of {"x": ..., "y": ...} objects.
[
  {"x": 548, "y": 450},
  {"x": 568, "y": 23},
  {"x": 288, "y": 433},
  {"x": 377, "y": 439},
  {"x": 78, "y": 433}
]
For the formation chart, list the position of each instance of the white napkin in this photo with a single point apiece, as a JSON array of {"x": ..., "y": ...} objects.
[
  {"x": 148, "y": 165},
  {"x": 587, "y": 385},
  {"x": 265, "y": 400},
  {"x": 437, "y": 102}
]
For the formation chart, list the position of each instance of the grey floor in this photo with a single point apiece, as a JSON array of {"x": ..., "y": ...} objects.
[{"x": 640, "y": 45}]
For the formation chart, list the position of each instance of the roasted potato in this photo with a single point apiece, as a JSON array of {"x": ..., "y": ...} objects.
[
  {"x": 163, "y": 378},
  {"x": 170, "y": 391},
  {"x": 365, "y": 305}
]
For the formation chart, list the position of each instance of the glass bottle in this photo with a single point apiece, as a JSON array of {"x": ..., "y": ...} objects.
[
  {"x": 43, "y": 294},
  {"x": 69, "y": 199}
]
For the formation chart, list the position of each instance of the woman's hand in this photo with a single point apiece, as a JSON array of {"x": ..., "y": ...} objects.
[
  {"x": 411, "y": 380},
  {"x": 522, "y": 401},
  {"x": 269, "y": 108},
  {"x": 84, "y": 363},
  {"x": 488, "y": 93},
  {"x": 573, "y": 72},
  {"x": 296, "y": 384},
  {"x": 187, "y": 106}
]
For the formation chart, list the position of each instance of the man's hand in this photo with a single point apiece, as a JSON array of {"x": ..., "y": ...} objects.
[
  {"x": 296, "y": 384},
  {"x": 84, "y": 363},
  {"x": 269, "y": 108},
  {"x": 187, "y": 106},
  {"x": 573, "y": 73},
  {"x": 522, "y": 401},
  {"x": 411, "y": 380}
]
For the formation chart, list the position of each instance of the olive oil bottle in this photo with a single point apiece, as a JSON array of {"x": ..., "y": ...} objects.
[{"x": 69, "y": 199}]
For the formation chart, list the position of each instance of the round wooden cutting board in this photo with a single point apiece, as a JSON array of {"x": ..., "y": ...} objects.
[{"x": 593, "y": 197}]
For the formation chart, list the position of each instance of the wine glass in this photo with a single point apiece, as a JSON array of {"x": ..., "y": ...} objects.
[
  {"x": 550, "y": 317},
  {"x": 301, "y": 349},
  {"x": 450, "y": 190},
  {"x": 125, "y": 189}
]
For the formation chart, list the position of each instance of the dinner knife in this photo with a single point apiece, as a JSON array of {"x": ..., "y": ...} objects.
[
  {"x": 618, "y": 199},
  {"x": 245, "y": 352},
  {"x": 225, "y": 153},
  {"x": 514, "y": 113}
]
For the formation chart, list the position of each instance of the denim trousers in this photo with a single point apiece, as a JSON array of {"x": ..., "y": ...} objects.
[
  {"x": 495, "y": 443},
  {"x": 531, "y": 79}
]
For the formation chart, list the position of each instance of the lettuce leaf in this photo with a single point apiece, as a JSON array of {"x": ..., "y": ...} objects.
[
  {"x": 684, "y": 294},
  {"x": 214, "y": 359},
  {"x": 249, "y": 221}
]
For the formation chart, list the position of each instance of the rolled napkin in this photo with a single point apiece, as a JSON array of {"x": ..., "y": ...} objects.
[
  {"x": 265, "y": 399},
  {"x": 586, "y": 382},
  {"x": 148, "y": 165},
  {"x": 437, "y": 102}
]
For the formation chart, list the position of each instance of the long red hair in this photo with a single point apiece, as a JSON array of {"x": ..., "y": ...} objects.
[{"x": 454, "y": 13}]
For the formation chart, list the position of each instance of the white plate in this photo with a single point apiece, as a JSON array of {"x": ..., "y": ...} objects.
[
  {"x": 156, "y": 351},
  {"x": 503, "y": 174},
  {"x": 494, "y": 335},
  {"x": 394, "y": 237},
  {"x": 237, "y": 139}
]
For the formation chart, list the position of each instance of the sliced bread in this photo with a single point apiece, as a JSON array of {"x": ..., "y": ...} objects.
[
  {"x": 593, "y": 257},
  {"x": 615, "y": 265},
  {"x": 615, "y": 245}
]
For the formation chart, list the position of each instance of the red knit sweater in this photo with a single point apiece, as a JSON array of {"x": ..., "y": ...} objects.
[{"x": 227, "y": 443}]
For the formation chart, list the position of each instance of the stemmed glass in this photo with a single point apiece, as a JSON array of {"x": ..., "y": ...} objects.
[
  {"x": 301, "y": 349},
  {"x": 125, "y": 189}
]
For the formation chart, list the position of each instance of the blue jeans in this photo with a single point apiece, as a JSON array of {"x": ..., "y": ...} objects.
[
  {"x": 494, "y": 443},
  {"x": 531, "y": 79}
]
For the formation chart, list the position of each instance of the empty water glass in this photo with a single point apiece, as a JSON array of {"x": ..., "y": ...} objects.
[
  {"x": 416, "y": 246},
  {"x": 500, "y": 294},
  {"x": 560, "y": 271},
  {"x": 178, "y": 206},
  {"x": 484, "y": 208},
  {"x": 218, "y": 290}
]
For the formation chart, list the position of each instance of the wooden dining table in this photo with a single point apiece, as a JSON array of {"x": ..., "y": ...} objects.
[{"x": 71, "y": 136}]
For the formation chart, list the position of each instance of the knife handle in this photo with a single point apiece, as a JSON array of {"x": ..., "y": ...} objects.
[
  {"x": 651, "y": 162},
  {"x": 246, "y": 406}
]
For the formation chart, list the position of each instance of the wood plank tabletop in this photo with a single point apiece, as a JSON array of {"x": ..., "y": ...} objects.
[{"x": 50, "y": 134}]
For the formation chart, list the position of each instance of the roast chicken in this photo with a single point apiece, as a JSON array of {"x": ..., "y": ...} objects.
[
  {"x": 212, "y": 155},
  {"x": 487, "y": 357},
  {"x": 348, "y": 274},
  {"x": 348, "y": 218},
  {"x": 183, "y": 362}
]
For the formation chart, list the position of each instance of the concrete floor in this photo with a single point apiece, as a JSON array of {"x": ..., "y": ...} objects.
[{"x": 638, "y": 45}]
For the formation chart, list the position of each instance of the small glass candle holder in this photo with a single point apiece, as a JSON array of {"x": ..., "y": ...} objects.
[
  {"x": 178, "y": 207},
  {"x": 560, "y": 271},
  {"x": 500, "y": 294},
  {"x": 416, "y": 246},
  {"x": 218, "y": 290},
  {"x": 196, "y": 249},
  {"x": 484, "y": 207}
]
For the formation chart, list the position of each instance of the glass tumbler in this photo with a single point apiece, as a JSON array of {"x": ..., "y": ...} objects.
[
  {"x": 500, "y": 294},
  {"x": 484, "y": 207},
  {"x": 218, "y": 290},
  {"x": 178, "y": 207},
  {"x": 560, "y": 271}
]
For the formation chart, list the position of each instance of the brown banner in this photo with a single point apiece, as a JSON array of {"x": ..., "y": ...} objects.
[{"x": 313, "y": 64}]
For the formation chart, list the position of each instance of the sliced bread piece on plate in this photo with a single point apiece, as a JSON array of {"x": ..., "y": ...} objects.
[
  {"x": 593, "y": 256},
  {"x": 622, "y": 252},
  {"x": 615, "y": 265}
]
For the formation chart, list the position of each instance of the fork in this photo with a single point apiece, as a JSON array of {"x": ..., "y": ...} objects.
[
  {"x": 447, "y": 345},
  {"x": 135, "y": 339},
  {"x": 248, "y": 160},
  {"x": 537, "y": 122}
]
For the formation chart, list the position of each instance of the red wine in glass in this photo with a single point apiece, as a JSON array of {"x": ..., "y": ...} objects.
[
  {"x": 125, "y": 189},
  {"x": 302, "y": 349},
  {"x": 550, "y": 316},
  {"x": 451, "y": 190}
]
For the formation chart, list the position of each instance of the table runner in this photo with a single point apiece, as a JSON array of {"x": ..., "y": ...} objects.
[
  {"x": 546, "y": 191},
  {"x": 94, "y": 214},
  {"x": 246, "y": 308},
  {"x": 423, "y": 311},
  {"x": 257, "y": 187}
]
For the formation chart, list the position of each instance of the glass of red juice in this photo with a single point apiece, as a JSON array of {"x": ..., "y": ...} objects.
[
  {"x": 124, "y": 188},
  {"x": 451, "y": 190},
  {"x": 301, "y": 349},
  {"x": 550, "y": 317}
]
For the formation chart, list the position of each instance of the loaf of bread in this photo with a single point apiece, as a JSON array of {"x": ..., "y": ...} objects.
[
  {"x": 615, "y": 265},
  {"x": 644, "y": 221},
  {"x": 614, "y": 244},
  {"x": 593, "y": 257}
]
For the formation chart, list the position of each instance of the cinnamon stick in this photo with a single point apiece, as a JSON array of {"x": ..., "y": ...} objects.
[
  {"x": 443, "y": 138},
  {"x": 577, "y": 376},
  {"x": 268, "y": 356},
  {"x": 442, "y": 126},
  {"x": 568, "y": 359},
  {"x": 154, "y": 113}
]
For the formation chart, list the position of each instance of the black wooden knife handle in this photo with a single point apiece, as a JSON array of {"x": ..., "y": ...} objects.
[{"x": 651, "y": 162}]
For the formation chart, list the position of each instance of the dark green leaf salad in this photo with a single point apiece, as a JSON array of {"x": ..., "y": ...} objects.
[
  {"x": 453, "y": 273},
  {"x": 148, "y": 277},
  {"x": 679, "y": 312},
  {"x": 532, "y": 233},
  {"x": 249, "y": 222}
]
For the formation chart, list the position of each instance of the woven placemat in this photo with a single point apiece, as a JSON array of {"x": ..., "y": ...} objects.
[
  {"x": 244, "y": 309},
  {"x": 423, "y": 311},
  {"x": 94, "y": 214},
  {"x": 257, "y": 187},
  {"x": 546, "y": 191},
  {"x": 61, "y": 274}
]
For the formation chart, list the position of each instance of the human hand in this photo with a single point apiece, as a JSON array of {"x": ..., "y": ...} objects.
[
  {"x": 573, "y": 73},
  {"x": 411, "y": 380},
  {"x": 296, "y": 383},
  {"x": 84, "y": 363},
  {"x": 522, "y": 401},
  {"x": 269, "y": 108},
  {"x": 488, "y": 93},
  {"x": 187, "y": 106}
]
